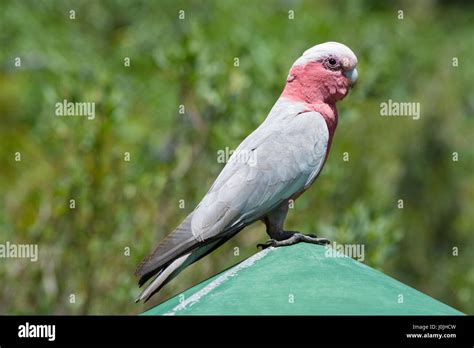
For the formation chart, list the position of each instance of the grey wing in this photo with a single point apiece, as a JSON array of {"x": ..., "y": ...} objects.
[{"x": 277, "y": 162}]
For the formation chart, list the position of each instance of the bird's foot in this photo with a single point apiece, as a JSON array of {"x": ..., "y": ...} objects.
[{"x": 294, "y": 238}]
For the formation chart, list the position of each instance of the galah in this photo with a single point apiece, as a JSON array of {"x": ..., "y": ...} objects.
[{"x": 274, "y": 165}]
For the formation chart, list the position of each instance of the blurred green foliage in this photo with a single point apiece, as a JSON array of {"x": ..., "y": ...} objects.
[{"x": 134, "y": 204}]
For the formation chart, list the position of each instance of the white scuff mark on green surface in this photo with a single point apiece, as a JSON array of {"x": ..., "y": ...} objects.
[{"x": 219, "y": 281}]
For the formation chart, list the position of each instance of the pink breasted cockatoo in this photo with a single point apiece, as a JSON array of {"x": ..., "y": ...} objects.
[{"x": 285, "y": 154}]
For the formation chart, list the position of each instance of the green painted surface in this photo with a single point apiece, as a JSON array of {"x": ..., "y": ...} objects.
[{"x": 301, "y": 280}]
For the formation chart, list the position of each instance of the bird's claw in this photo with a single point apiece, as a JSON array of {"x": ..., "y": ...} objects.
[
  {"x": 267, "y": 244},
  {"x": 321, "y": 241},
  {"x": 294, "y": 239}
]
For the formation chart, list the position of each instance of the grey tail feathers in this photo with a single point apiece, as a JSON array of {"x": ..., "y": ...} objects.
[
  {"x": 178, "y": 243},
  {"x": 160, "y": 278},
  {"x": 176, "y": 252}
]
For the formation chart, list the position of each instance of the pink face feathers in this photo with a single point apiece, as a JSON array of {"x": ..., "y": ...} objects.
[
  {"x": 312, "y": 83},
  {"x": 321, "y": 77},
  {"x": 323, "y": 74}
]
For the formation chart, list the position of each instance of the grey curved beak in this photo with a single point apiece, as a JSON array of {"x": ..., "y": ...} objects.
[{"x": 352, "y": 76}]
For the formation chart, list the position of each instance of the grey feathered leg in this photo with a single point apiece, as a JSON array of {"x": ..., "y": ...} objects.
[{"x": 274, "y": 222}]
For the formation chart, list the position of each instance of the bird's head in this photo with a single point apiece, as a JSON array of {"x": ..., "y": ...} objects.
[{"x": 324, "y": 73}]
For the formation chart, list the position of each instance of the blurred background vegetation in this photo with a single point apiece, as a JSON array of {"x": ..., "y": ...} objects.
[{"x": 190, "y": 62}]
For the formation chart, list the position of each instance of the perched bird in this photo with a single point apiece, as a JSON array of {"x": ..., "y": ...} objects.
[{"x": 273, "y": 165}]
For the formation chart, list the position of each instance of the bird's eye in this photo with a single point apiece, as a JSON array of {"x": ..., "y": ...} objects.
[{"x": 332, "y": 63}]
